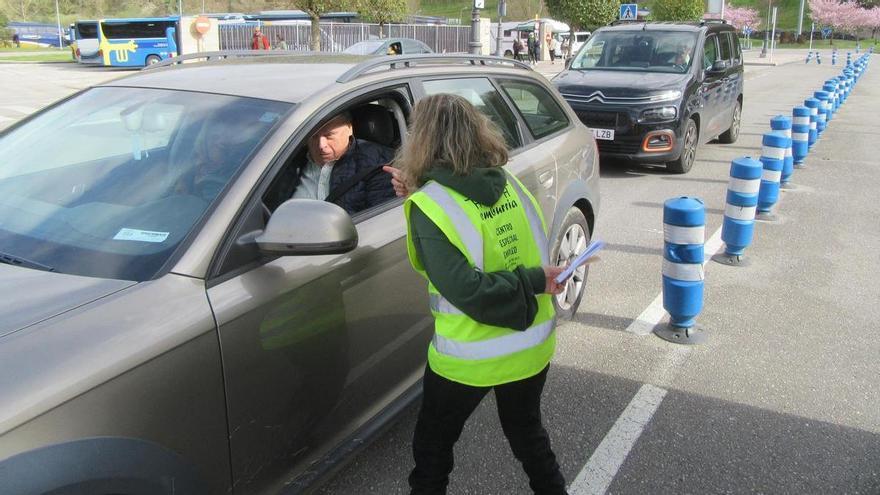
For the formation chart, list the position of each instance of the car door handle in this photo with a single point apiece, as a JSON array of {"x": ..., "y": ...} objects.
[{"x": 546, "y": 179}]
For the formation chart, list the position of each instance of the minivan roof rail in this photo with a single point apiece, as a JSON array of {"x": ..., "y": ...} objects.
[
  {"x": 392, "y": 62},
  {"x": 713, "y": 21}
]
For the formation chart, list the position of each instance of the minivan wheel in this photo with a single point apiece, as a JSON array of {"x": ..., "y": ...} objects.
[
  {"x": 572, "y": 240},
  {"x": 730, "y": 135},
  {"x": 688, "y": 151},
  {"x": 153, "y": 60}
]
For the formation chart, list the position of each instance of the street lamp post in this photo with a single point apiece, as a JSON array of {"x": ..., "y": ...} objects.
[
  {"x": 766, "y": 31},
  {"x": 58, "y": 20},
  {"x": 475, "y": 44}
]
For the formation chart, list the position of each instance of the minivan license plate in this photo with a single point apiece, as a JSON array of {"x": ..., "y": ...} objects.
[{"x": 606, "y": 134}]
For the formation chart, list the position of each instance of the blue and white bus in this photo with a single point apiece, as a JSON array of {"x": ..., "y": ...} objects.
[
  {"x": 137, "y": 42},
  {"x": 37, "y": 33}
]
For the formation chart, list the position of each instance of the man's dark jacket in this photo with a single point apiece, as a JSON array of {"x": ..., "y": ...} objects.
[{"x": 375, "y": 189}]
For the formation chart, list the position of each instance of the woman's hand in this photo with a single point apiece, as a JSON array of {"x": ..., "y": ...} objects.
[
  {"x": 400, "y": 188},
  {"x": 550, "y": 274}
]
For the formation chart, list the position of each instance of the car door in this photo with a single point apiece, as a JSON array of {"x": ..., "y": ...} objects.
[
  {"x": 711, "y": 90},
  {"x": 729, "y": 81},
  {"x": 313, "y": 346},
  {"x": 532, "y": 162}
]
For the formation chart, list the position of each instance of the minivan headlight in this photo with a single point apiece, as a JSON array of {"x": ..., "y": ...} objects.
[
  {"x": 672, "y": 94},
  {"x": 659, "y": 114}
]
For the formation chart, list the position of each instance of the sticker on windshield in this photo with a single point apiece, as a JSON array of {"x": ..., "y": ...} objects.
[
  {"x": 269, "y": 117},
  {"x": 140, "y": 235}
]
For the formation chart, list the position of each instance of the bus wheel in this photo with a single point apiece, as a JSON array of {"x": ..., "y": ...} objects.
[{"x": 153, "y": 59}]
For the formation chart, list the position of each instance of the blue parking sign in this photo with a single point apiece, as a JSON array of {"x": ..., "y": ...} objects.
[{"x": 629, "y": 11}]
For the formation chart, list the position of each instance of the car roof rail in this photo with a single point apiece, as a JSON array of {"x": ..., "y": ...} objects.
[
  {"x": 392, "y": 62},
  {"x": 217, "y": 55},
  {"x": 713, "y": 21}
]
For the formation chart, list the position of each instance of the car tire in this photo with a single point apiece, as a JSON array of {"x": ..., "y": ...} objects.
[
  {"x": 572, "y": 240},
  {"x": 730, "y": 135},
  {"x": 152, "y": 60},
  {"x": 685, "y": 160}
]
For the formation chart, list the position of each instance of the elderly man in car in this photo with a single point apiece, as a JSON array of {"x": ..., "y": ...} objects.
[{"x": 343, "y": 169}]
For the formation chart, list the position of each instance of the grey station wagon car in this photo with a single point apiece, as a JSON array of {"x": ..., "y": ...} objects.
[{"x": 161, "y": 335}]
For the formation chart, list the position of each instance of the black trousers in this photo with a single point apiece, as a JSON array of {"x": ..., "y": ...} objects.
[{"x": 446, "y": 405}]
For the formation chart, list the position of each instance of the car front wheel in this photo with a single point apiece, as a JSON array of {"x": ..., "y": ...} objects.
[
  {"x": 572, "y": 240},
  {"x": 688, "y": 150}
]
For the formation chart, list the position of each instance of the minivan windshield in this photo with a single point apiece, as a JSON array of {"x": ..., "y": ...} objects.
[
  {"x": 110, "y": 182},
  {"x": 643, "y": 50}
]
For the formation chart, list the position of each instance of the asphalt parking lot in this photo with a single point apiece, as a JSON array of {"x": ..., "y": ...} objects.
[{"x": 781, "y": 399}]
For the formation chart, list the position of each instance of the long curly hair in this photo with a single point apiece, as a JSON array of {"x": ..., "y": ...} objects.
[{"x": 446, "y": 131}]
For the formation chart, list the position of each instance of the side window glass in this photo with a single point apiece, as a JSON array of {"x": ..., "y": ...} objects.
[
  {"x": 737, "y": 50},
  {"x": 485, "y": 97},
  {"x": 542, "y": 114},
  {"x": 726, "y": 49},
  {"x": 710, "y": 53}
]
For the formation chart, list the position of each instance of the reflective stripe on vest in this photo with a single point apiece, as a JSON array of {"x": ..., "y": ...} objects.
[
  {"x": 534, "y": 219},
  {"x": 440, "y": 304},
  {"x": 468, "y": 234},
  {"x": 499, "y": 346}
]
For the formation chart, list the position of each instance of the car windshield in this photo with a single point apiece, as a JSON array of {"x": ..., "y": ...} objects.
[
  {"x": 648, "y": 51},
  {"x": 109, "y": 183},
  {"x": 364, "y": 47}
]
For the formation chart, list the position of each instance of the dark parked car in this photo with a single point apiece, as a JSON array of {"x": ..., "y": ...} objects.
[
  {"x": 173, "y": 323},
  {"x": 653, "y": 92}
]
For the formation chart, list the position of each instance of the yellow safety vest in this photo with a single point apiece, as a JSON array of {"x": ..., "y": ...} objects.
[{"x": 493, "y": 238}]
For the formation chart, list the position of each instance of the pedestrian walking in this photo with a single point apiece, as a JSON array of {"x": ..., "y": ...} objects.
[
  {"x": 490, "y": 289},
  {"x": 517, "y": 49},
  {"x": 553, "y": 46},
  {"x": 532, "y": 45}
]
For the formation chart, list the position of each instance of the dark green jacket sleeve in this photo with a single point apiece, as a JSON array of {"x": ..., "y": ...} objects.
[{"x": 503, "y": 299}]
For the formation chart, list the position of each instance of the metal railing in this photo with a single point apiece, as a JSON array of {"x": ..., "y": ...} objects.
[{"x": 336, "y": 36}]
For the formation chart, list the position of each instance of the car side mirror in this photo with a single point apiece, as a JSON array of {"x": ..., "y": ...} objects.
[
  {"x": 308, "y": 227},
  {"x": 719, "y": 66}
]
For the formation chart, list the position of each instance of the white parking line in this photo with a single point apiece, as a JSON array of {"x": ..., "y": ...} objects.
[
  {"x": 600, "y": 470},
  {"x": 651, "y": 316}
]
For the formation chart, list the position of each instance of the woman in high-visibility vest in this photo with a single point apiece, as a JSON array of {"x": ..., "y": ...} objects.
[{"x": 479, "y": 238}]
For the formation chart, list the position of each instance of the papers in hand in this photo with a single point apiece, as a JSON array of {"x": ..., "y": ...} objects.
[{"x": 591, "y": 250}]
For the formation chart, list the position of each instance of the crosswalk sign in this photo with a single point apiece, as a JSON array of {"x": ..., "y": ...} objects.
[{"x": 629, "y": 11}]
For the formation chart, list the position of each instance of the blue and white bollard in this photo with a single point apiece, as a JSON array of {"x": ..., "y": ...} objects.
[
  {"x": 739, "y": 213},
  {"x": 834, "y": 57},
  {"x": 818, "y": 58},
  {"x": 684, "y": 225},
  {"x": 813, "y": 105},
  {"x": 841, "y": 90},
  {"x": 824, "y": 110},
  {"x": 848, "y": 59},
  {"x": 772, "y": 158},
  {"x": 830, "y": 88},
  {"x": 809, "y": 57},
  {"x": 800, "y": 135},
  {"x": 782, "y": 124}
]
